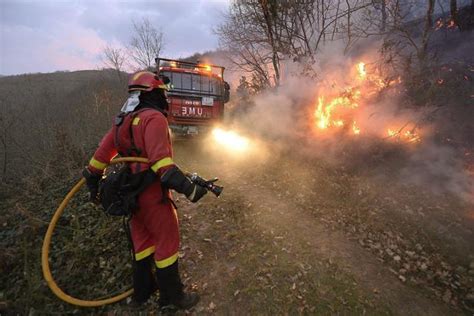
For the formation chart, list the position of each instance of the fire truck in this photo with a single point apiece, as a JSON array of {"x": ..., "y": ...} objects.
[{"x": 197, "y": 95}]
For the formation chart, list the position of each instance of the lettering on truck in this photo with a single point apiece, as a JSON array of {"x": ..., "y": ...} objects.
[
  {"x": 192, "y": 102},
  {"x": 191, "y": 111}
]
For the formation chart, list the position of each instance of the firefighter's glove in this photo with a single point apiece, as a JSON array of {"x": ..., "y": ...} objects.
[
  {"x": 175, "y": 179},
  {"x": 196, "y": 193},
  {"x": 92, "y": 182}
]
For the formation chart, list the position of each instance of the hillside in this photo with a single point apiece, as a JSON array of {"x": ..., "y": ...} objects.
[
  {"x": 305, "y": 225},
  {"x": 40, "y": 113}
]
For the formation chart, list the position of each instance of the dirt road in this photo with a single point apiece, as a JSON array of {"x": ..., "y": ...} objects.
[{"x": 272, "y": 244}]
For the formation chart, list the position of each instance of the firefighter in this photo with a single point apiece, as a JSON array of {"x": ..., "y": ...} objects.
[{"x": 144, "y": 132}]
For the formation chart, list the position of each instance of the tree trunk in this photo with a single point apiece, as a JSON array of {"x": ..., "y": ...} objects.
[
  {"x": 429, "y": 14},
  {"x": 323, "y": 20},
  {"x": 454, "y": 11},
  {"x": 426, "y": 33},
  {"x": 267, "y": 14},
  {"x": 384, "y": 16},
  {"x": 349, "y": 37}
]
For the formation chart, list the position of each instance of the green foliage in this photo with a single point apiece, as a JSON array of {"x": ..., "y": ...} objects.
[{"x": 89, "y": 254}]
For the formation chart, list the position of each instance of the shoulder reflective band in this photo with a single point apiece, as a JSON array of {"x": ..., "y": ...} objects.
[
  {"x": 97, "y": 164},
  {"x": 136, "y": 121},
  {"x": 162, "y": 163},
  {"x": 144, "y": 253},
  {"x": 166, "y": 262}
]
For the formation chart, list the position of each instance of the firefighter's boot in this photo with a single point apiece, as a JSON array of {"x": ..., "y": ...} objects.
[
  {"x": 144, "y": 283},
  {"x": 171, "y": 290}
]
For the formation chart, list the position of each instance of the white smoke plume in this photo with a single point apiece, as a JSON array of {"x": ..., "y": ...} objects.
[{"x": 285, "y": 118}]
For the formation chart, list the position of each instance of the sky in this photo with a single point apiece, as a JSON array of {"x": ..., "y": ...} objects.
[{"x": 57, "y": 35}]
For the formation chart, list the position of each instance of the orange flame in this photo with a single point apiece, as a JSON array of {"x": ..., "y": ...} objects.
[
  {"x": 355, "y": 129},
  {"x": 325, "y": 112},
  {"x": 338, "y": 112},
  {"x": 391, "y": 132},
  {"x": 361, "y": 70},
  {"x": 409, "y": 136}
]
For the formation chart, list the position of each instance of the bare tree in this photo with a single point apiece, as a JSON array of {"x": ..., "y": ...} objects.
[
  {"x": 249, "y": 33},
  {"x": 260, "y": 34},
  {"x": 114, "y": 58},
  {"x": 146, "y": 44}
]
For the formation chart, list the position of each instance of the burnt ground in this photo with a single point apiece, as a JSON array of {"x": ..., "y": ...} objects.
[{"x": 289, "y": 235}]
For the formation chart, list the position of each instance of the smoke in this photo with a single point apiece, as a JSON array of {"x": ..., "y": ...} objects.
[
  {"x": 438, "y": 168},
  {"x": 284, "y": 119}
]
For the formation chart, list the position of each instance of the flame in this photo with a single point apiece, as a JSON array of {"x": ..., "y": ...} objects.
[
  {"x": 409, "y": 136},
  {"x": 355, "y": 129},
  {"x": 448, "y": 24},
  {"x": 230, "y": 140},
  {"x": 338, "y": 112},
  {"x": 325, "y": 112},
  {"x": 338, "y": 123},
  {"x": 362, "y": 73},
  {"x": 322, "y": 117}
]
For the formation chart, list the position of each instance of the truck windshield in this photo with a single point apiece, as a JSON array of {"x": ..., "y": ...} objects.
[{"x": 194, "y": 83}]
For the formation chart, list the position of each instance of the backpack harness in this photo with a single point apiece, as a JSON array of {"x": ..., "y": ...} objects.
[{"x": 120, "y": 188}]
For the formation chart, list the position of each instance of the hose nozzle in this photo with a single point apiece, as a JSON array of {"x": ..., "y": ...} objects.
[{"x": 208, "y": 184}]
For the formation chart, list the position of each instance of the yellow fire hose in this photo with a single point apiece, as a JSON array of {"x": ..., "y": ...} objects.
[{"x": 47, "y": 241}]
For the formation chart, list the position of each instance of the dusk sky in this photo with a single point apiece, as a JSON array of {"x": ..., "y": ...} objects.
[{"x": 51, "y": 35}]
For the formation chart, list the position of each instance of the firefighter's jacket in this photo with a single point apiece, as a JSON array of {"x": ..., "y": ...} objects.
[{"x": 154, "y": 225}]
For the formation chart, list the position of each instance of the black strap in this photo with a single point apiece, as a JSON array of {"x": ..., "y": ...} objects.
[
  {"x": 149, "y": 175},
  {"x": 144, "y": 179},
  {"x": 171, "y": 200},
  {"x": 118, "y": 123},
  {"x": 126, "y": 227},
  {"x": 134, "y": 147}
]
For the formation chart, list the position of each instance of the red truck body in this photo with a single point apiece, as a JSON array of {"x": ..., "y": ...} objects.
[{"x": 197, "y": 95}]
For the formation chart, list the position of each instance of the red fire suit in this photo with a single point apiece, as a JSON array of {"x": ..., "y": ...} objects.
[{"x": 154, "y": 226}]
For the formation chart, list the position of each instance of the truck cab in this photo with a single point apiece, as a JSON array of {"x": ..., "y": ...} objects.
[{"x": 197, "y": 95}]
